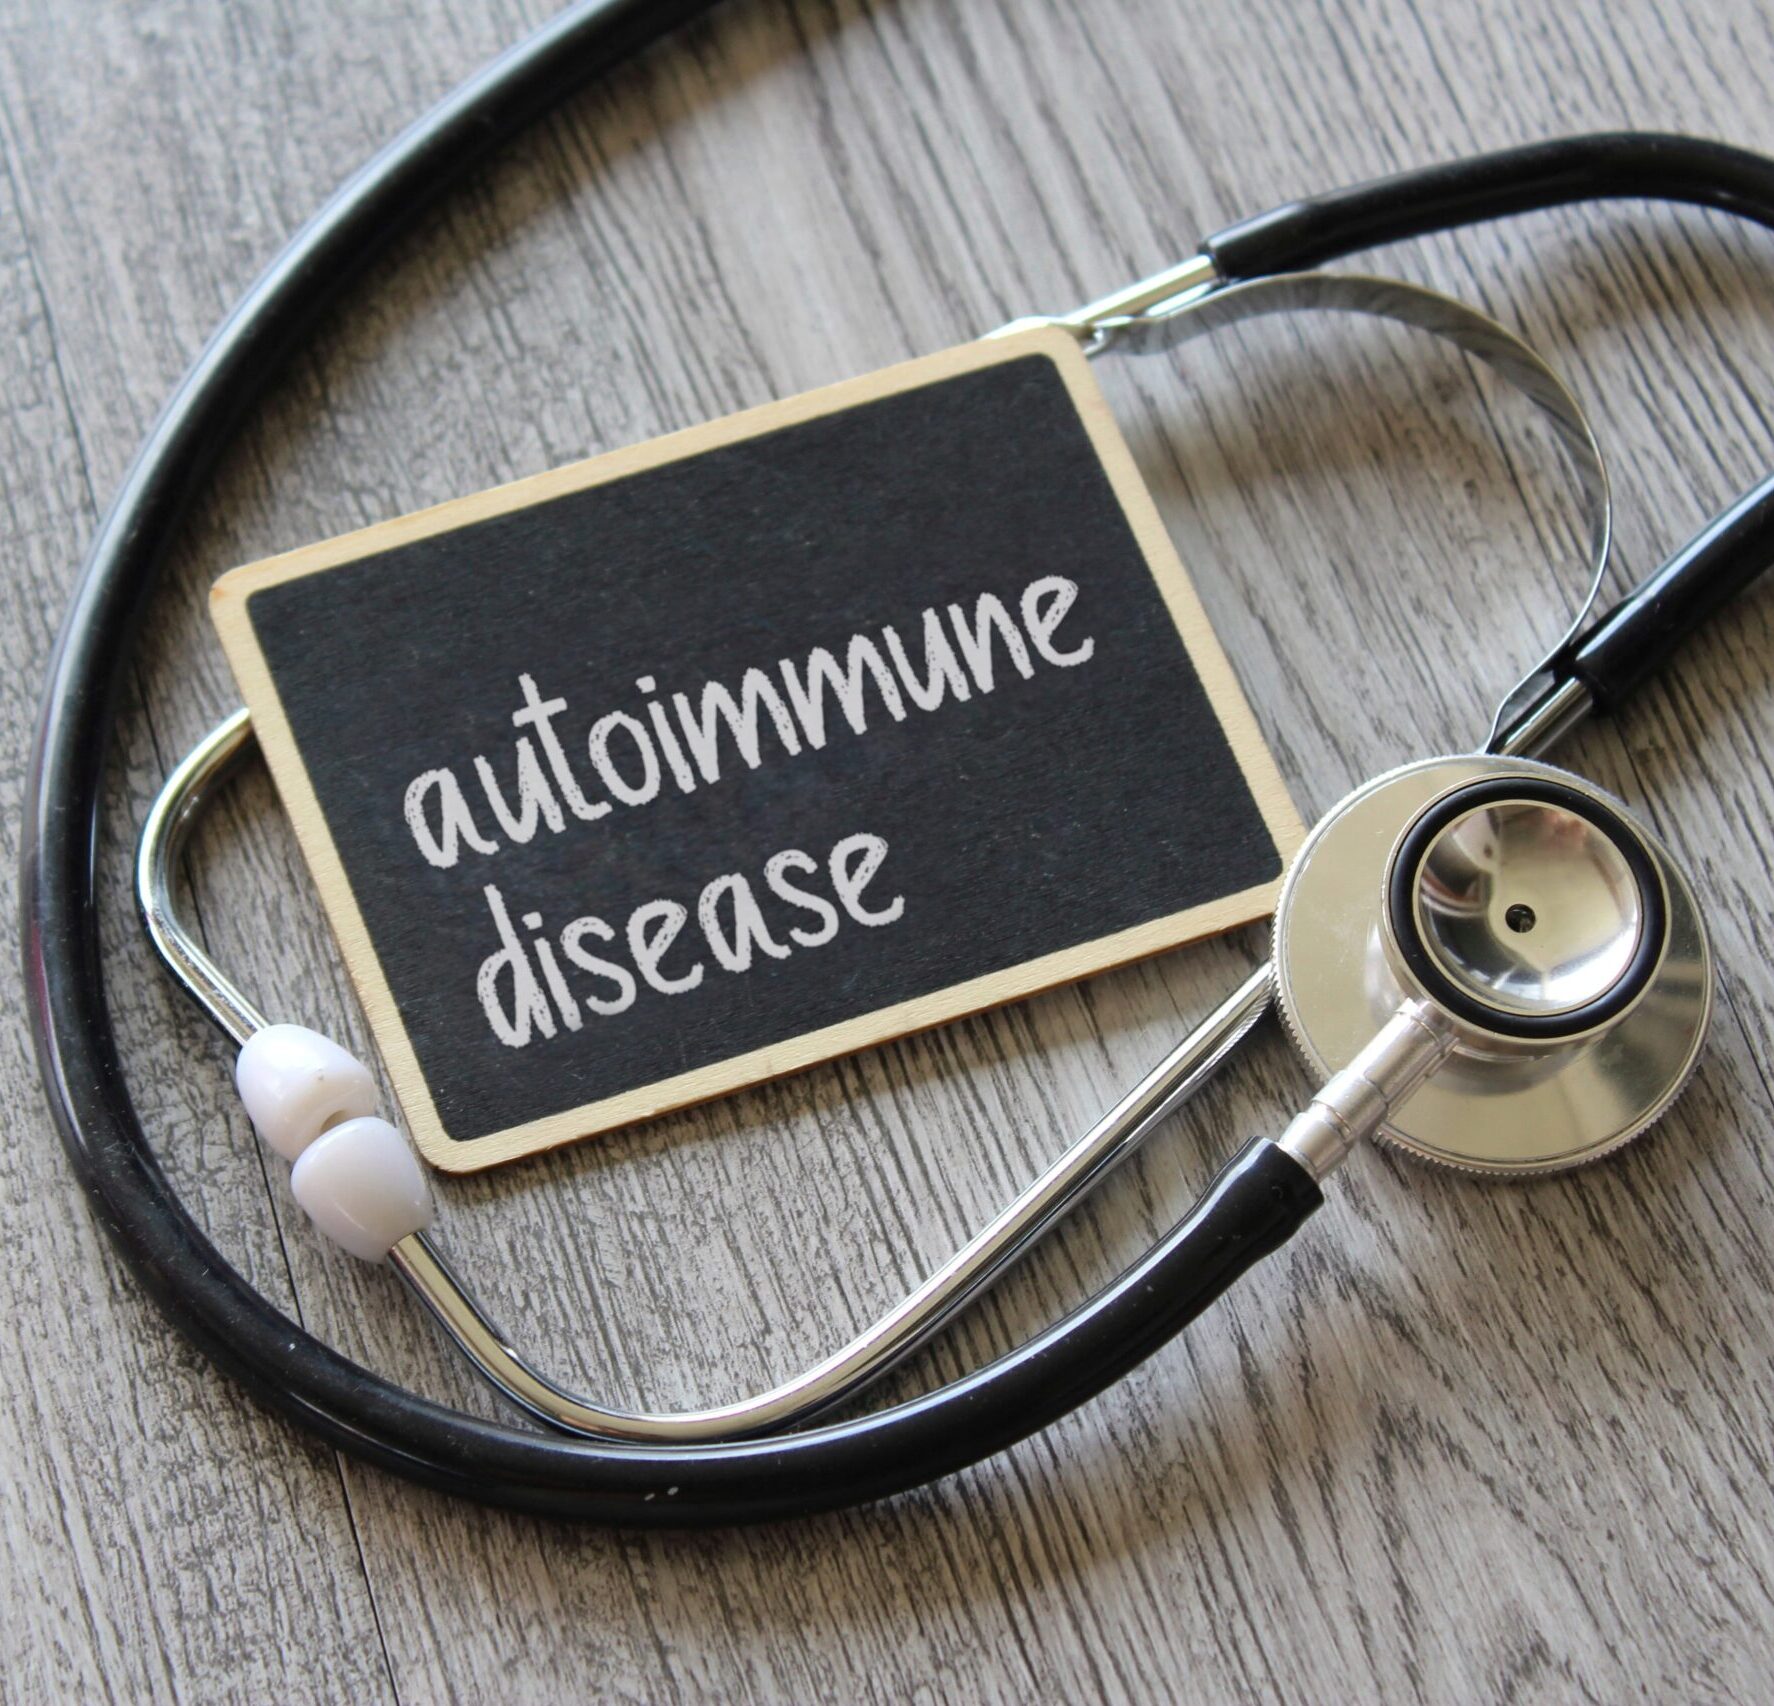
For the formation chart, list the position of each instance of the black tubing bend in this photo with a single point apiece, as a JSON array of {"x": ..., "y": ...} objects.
[
  {"x": 1615, "y": 654},
  {"x": 1624, "y": 165},
  {"x": 1253, "y": 1206}
]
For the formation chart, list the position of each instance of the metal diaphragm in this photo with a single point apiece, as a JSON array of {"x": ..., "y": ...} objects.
[{"x": 1553, "y": 931}]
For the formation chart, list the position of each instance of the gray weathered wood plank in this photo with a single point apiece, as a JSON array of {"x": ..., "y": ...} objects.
[{"x": 125, "y": 1563}]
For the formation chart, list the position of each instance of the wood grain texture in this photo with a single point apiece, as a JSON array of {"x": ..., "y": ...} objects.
[{"x": 1461, "y": 1441}]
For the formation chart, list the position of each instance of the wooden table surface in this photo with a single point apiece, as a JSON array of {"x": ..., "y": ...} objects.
[{"x": 1462, "y": 1440}]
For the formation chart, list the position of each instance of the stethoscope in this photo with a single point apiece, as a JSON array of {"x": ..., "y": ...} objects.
[{"x": 1489, "y": 962}]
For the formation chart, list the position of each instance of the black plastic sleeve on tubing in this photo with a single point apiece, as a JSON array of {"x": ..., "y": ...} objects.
[{"x": 1251, "y": 1208}]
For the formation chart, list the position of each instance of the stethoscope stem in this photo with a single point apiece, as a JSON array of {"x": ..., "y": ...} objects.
[{"x": 1358, "y": 1100}]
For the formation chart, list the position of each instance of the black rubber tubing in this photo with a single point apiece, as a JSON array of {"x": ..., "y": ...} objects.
[
  {"x": 1251, "y": 1208},
  {"x": 1254, "y": 1205},
  {"x": 1614, "y": 655},
  {"x": 1621, "y": 165}
]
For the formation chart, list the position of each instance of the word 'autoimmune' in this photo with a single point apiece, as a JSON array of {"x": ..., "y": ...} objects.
[{"x": 688, "y": 742}]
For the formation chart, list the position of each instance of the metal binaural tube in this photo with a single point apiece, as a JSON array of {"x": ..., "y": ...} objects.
[
  {"x": 165, "y": 831},
  {"x": 981, "y": 1261},
  {"x": 895, "y": 1335}
]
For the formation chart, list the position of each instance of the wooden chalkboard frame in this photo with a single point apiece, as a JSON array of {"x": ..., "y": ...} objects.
[{"x": 230, "y": 600}]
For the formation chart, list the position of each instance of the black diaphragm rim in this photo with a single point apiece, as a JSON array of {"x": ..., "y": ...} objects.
[{"x": 1401, "y": 892}]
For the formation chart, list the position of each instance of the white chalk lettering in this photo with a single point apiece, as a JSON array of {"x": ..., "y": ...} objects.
[
  {"x": 511, "y": 1023},
  {"x": 540, "y": 714},
  {"x": 630, "y": 793},
  {"x": 442, "y": 845},
  {"x": 651, "y": 931},
  {"x": 854, "y": 862},
  {"x": 793, "y": 859},
  {"x": 1041, "y": 624},
  {"x": 808, "y": 689},
  {"x": 989, "y": 615},
  {"x": 572, "y": 940},
  {"x": 942, "y": 669},
  {"x": 734, "y": 952},
  {"x": 702, "y": 733},
  {"x": 535, "y": 799},
  {"x": 526, "y": 992},
  {"x": 693, "y": 736}
]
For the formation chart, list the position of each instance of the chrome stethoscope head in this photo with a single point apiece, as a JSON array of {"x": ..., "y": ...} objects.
[{"x": 1494, "y": 966}]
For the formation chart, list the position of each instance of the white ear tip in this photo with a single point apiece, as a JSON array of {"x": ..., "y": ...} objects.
[
  {"x": 362, "y": 1185},
  {"x": 295, "y": 1083}
]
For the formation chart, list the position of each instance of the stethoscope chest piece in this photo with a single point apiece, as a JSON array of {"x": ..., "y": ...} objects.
[{"x": 1534, "y": 953}]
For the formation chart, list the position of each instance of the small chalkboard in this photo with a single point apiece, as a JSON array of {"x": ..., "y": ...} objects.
[{"x": 703, "y": 761}]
